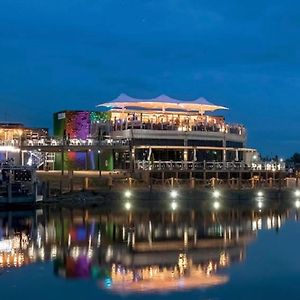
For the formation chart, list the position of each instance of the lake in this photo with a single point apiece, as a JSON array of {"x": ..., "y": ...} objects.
[{"x": 237, "y": 252}]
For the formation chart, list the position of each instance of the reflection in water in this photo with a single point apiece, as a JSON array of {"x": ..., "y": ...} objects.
[{"x": 133, "y": 252}]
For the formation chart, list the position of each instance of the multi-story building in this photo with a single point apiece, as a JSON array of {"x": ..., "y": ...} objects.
[
  {"x": 13, "y": 134},
  {"x": 164, "y": 129}
]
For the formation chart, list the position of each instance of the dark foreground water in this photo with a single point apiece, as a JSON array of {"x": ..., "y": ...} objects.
[{"x": 64, "y": 253}]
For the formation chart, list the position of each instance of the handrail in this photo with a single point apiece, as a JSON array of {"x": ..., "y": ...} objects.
[{"x": 217, "y": 166}]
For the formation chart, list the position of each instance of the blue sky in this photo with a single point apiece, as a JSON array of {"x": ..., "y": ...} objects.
[{"x": 245, "y": 55}]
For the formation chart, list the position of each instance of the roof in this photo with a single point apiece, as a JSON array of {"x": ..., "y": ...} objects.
[{"x": 162, "y": 102}]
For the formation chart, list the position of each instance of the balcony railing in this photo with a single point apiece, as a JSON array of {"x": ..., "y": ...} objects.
[
  {"x": 224, "y": 128},
  {"x": 64, "y": 142},
  {"x": 213, "y": 166}
]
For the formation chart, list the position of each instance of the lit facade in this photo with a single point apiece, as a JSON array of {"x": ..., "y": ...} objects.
[
  {"x": 164, "y": 129},
  {"x": 82, "y": 127}
]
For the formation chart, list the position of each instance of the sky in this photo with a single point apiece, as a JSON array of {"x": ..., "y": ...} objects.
[{"x": 245, "y": 55}]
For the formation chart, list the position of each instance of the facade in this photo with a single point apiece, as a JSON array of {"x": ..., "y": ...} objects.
[
  {"x": 76, "y": 128},
  {"x": 13, "y": 134},
  {"x": 164, "y": 129}
]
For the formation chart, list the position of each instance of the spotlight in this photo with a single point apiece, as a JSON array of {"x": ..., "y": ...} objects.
[
  {"x": 297, "y": 193},
  {"x": 174, "y": 194},
  {"x": 174, "y": 205},
  {"x": 216, "y": 194},
  {"x": 127, "y": 205},
  {"x": 297, "y": 204},
  {"x": 127, "y": 194},
  {"x": 216, "y": 205},
  {"x": 260, "y": 194}
]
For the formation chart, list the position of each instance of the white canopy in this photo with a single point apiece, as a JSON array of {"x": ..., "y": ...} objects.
[{"x": 162, "y": 102}]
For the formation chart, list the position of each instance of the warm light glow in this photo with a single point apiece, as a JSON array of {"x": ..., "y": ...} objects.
[
  {"x": 216, "y": 205},
  {"x": 216, "y": 194},
  {"x": 9, "y": 149},
  {"x": 174, "y": 205},
  {"x": 174, "y": 194},
  {"x": 127, "y": 194},
  {"x": 260, "y": 194},
  {"x": 127, "y": 205}
]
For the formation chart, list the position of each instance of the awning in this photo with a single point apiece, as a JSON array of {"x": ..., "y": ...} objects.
[{"x": 162, "y": 102}]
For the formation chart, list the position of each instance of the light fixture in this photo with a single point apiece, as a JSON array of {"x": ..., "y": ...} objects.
[
  {"x": 216, "y": 205},
  {"x": 216, "y": 194},
  {"x": 260, "y": 194},
  {"x": 127, "y": 194},
  {"x": 174, "y": 194},
  {"x": 174, "y": 205},
  {"x": 127, "y": 205}
]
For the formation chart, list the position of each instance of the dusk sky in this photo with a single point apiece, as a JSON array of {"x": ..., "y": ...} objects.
[{"x": 74, "y": 54}]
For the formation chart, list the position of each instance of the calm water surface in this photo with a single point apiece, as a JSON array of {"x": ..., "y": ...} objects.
[{"x": 64, "y": 253}]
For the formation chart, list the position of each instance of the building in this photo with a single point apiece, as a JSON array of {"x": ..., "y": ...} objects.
[
  {"x": 166, "y": 130},
  {"x": 13, "y": 134},
  {"x": 82, "y": 128}
]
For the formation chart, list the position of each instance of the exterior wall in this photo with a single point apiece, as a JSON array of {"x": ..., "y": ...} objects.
[
  {"x": 136, "y": 134},
  {"x": 82, "y": 125},
  {"x": 85, "y": 160},
  {"x": 79, "y": 124}
]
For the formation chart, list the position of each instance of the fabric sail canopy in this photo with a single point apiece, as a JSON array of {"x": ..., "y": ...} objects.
[{"x": 162, "y": 102}]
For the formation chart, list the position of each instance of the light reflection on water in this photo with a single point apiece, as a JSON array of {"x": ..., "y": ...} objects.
[{"x": 129, "y": 253}]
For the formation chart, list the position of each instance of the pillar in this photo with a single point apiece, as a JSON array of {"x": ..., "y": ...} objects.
[
  {"x": 62, "y": 162},
  {"x": 224, "y": 150},
  {"x": 240, "y": 180},
  {"x": 236, "y": 154}
]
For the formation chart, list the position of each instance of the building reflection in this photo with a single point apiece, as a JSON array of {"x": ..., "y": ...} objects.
[{"x": 134, "y": 252}]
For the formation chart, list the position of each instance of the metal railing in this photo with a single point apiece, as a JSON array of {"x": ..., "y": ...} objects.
[
  {"x": 64, "y": 142},
  {"x": 222, "y": 128},
  {"x": 215, "y": 166}
]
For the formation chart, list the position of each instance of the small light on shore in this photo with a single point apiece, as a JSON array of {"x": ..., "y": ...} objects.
[
  {"x": 127, "y": 194},
  {"x": 216, "y": 205},
  {"x": 260, "y": 194},
  {"x": 297, "y": 193},
  {"x": 174, "y": 205},
  {"x": 216, "y": 194},
  {"x": 174, "y": 194},
  {"x": 127, "y": 205},
  {"x": 297, "y": 204}
]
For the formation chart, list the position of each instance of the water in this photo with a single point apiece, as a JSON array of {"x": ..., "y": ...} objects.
[{"x": 65, "y": 253}]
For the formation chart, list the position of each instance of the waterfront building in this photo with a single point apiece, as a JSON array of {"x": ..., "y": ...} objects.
[
  {"x": 12, "y": 136},
  {"x": 165, "y": 130},
  {"x": 82, "y": 128}
]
